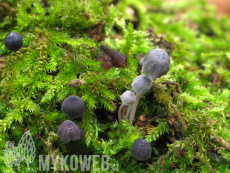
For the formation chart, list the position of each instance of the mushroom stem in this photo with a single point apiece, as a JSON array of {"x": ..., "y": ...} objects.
[
  {"x": 128, "y": 112},
  {"x": 133, "y": 109},
  {"x": 129, "y": 109},
  {"x": 119, "y": 112}
]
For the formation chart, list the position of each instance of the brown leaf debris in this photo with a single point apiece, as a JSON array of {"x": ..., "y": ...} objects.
[
  {"x": 111, "y": 58},
  {"x": 74, "y": 83},
  {"x": 162, "y": 157},
  {"x": 95, "y": 32},
  {"x": 175, "y": 129},
  {"x": 2, "y": 61}
]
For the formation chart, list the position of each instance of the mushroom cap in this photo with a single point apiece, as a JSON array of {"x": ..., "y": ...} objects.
[
  {"x": 82, "y": 136},
  {"x": 13, "y": 41},
  {"x": 141, "y": 84},
  {"x": 69, "y": 131},
  {"x": 141, "y": 150},
  {"x": 156, "y": 63},
  {"x": 128, "y": 98},
  {"x": 73, "y": 107}
]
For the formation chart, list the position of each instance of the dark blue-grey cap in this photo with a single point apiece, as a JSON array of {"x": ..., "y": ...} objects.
[{"x": 156, "y": 63}]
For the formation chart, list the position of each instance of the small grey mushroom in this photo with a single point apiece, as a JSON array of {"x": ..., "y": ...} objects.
[
  {"x": 141, "y": 150},
  {"x": 140, "y": 85},
  {"x": 156, "y": 63},
  {"x": 13, "y": 41},
  {"x": 69, "y": 131},
  {"x": 128, "y": 98},
  {"x": 82, "y": 136},
  {"x": 73, "y": 107}
]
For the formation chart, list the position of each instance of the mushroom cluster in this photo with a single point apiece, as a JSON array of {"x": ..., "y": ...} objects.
[
  {"x": 155, "y": 64},
  {"x": 140, "y": 85},
  {"x": 73, "y": 107}
]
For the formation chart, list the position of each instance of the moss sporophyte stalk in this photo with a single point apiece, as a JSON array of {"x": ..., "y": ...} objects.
[{"x": 121, "y": 86}]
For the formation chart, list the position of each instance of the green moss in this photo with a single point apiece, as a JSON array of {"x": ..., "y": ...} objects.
[{"x": 58, "y": 41}]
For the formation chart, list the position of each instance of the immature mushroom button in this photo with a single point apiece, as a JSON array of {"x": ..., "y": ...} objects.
[
  {"x": 141, "y": 150},
  {"x": 82, "y": 136},
  {"x": 73, "y": 107},
  {"x": 140, "y": 85},
  {"x": 128, "y": 98},
  {"x": 69, "y": 131},
  {"x": 13, "y": 41},
  {"x": 156, "y": 63}
]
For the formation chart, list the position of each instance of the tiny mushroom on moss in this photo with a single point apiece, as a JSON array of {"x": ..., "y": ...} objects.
[
  {"x": 73, "y": 107},
  {"x": 82, "y": 136},
  {"x": 141, "y": 150},
  {"x": 13, "y": 41},
  {"x": 128, "y": 98},
  {"x": 140, "y": 85},
  {"x": 69, "y": 131},
  {"x": 155, "y": 63}
]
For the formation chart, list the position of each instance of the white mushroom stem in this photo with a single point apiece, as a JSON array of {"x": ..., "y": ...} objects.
[
  {"x": 128, "y": 112},
  {"x": 129, "y": 109},
  {"x": 119, "y": 112},
  {"x": 133, "y": 109},
  {"x": 127, "y": 98}
]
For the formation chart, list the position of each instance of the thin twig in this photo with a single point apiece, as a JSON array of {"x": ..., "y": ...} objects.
[
  {"x": 173, "y": 83},
  {"x": 49, "y": 148},
  {"x": 201, "y": 158},
  {"x": 222, "y": 142},
  {"x": 6, "y": 6},
  {"x": 41, "y": 139},
  {"x": 177, "y": 113}
]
